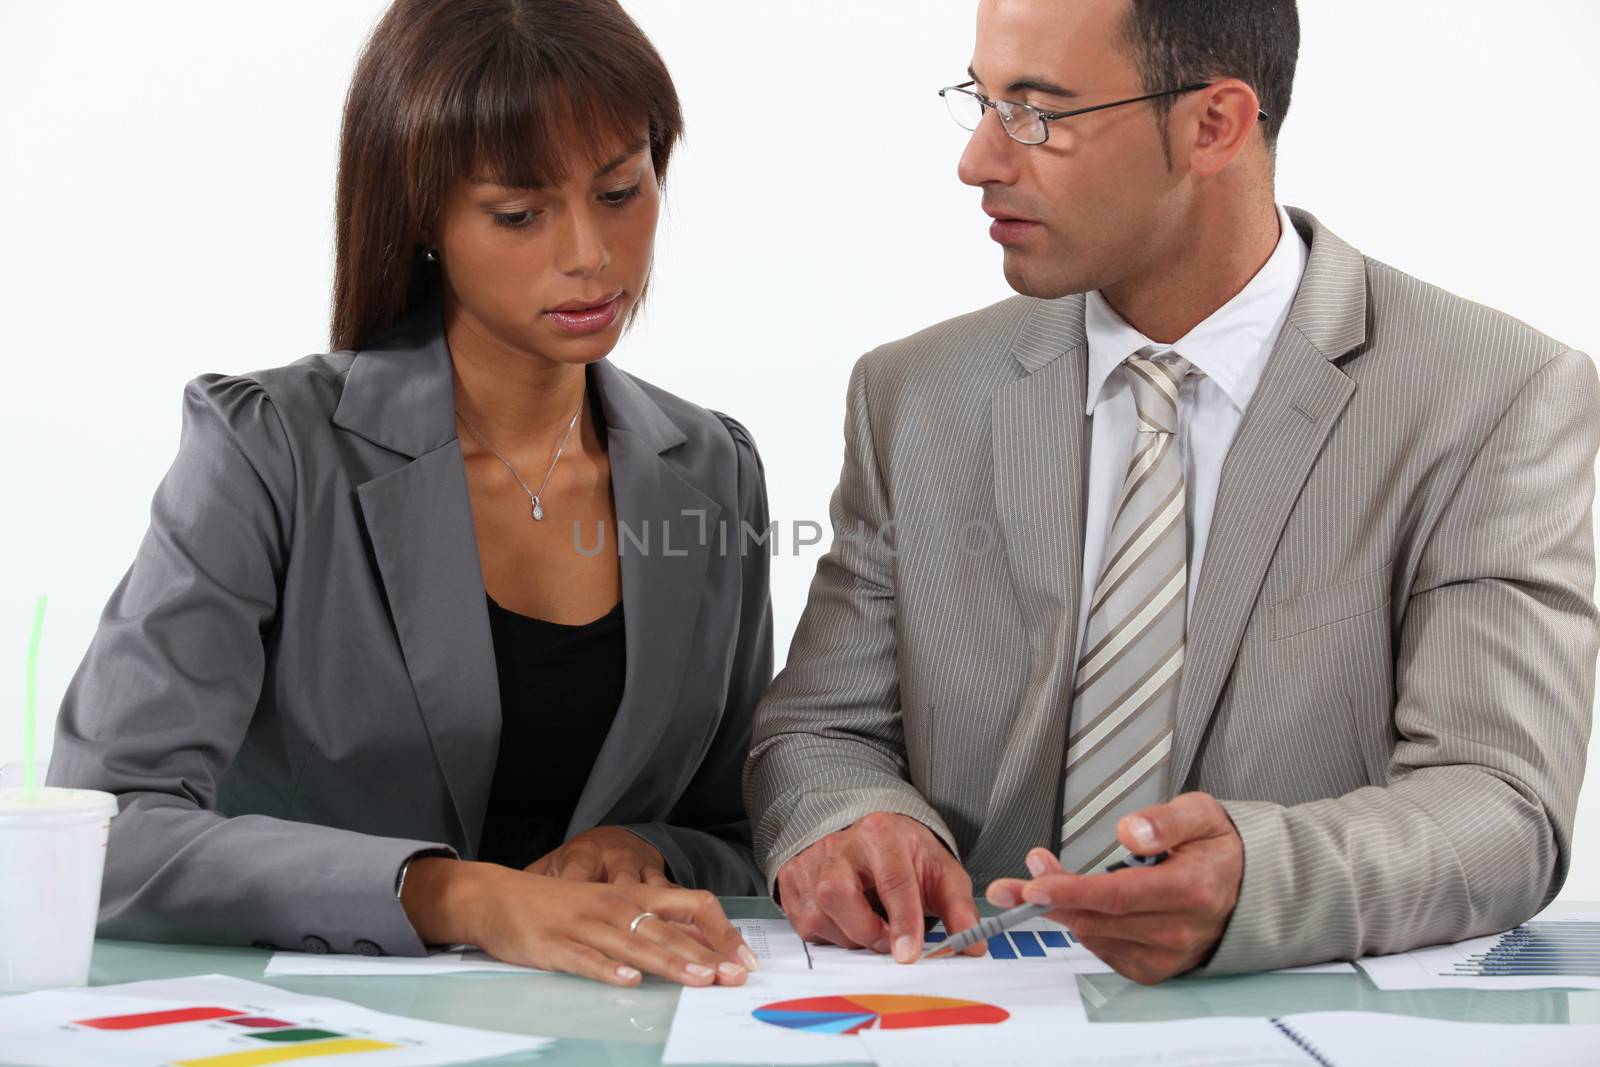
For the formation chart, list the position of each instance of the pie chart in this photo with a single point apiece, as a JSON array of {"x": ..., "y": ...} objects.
[{"x": 882, "y": 1011}]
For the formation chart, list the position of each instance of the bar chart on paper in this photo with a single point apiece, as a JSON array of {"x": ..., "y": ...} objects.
[
  {"x": 1030, "y": 941},
  {"x": 1546, "y": 949},
  {"x": 219, "y": 1021},
  {"x": 1034, "y": 941},
  {"x": 279, "y": 1040},
  {"x": 1541, "y": 953}
]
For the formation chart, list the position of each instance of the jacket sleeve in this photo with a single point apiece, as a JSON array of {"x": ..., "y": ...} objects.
[
  {"x": 1494, "y": 686},
  {"x": 829, "y": 745},
  {"x": 706, "y": 839},
  {"x": 166, "y": 692}
]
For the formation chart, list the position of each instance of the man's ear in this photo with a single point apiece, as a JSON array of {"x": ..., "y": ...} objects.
[{"x": 1223, "y": 119}]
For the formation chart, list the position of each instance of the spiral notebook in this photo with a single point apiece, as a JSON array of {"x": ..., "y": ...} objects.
[
  {"x": 1301, "y": 1042},
  {"x": 1313, "y": 1039}
]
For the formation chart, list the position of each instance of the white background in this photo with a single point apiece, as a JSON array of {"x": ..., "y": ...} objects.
[{"x": 167, "y": 173}]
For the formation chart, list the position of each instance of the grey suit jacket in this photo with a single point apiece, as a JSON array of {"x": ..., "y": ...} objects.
[
  {"x": 1390, "y": 662},
  {"x": 293, "y": 689}
]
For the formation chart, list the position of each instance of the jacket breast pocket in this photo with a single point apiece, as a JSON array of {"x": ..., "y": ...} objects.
[{"x": 1331, "y": 604}]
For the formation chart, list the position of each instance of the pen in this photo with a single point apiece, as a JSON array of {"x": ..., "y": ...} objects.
[{"x": 993, "y": 925}]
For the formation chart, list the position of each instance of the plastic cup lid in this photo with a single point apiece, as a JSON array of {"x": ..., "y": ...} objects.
[{"x": 47, "y": 803}]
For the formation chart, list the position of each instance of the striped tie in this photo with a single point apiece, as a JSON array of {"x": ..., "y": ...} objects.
[{"x": 1126, "y": 694}]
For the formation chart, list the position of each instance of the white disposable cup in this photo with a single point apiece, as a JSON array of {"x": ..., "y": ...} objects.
[{"x": 52, "y": 857}]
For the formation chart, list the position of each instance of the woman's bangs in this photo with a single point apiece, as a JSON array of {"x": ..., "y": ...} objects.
[{"x": 535, "y": 133}]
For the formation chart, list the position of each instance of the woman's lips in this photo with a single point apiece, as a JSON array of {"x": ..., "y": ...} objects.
[
  {"x": 1011, "y": 231},
  {"x": 586, "y": 320}
]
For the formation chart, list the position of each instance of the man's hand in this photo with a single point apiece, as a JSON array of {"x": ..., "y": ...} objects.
[
  {"x": 1148, "y": 923},
  {"x": 829, "y": 890},
  {"x": 605, "y": 854}
]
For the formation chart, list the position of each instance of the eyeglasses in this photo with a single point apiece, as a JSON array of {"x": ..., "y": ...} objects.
[{"x": 1025, "y": 123}]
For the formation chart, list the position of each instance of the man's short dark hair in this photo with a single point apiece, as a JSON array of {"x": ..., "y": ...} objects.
[{"x": 1181, "y": 42}]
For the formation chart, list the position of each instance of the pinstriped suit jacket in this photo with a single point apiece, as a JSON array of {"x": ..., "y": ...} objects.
[{"x": 1390, "y": 664}]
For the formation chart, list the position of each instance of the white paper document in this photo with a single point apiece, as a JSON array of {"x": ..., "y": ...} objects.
[
  {"x": 217, "y": 1021},
  {"x": 1335, "y": 967},
  {"x": 1544, "y": 953},
  {"x": 457, "y": 960},
  {"x": 1319, "y": 1039},
  {"x": 772, "y": 940},
  {"x": 791, "y": 1017}
]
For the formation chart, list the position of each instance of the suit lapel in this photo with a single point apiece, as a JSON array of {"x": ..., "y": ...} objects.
[
  {"x": 1301, "y": 397},
  {"x": 400, "y": 396},
  {"x": 1040, "y": 443},
  {"x": 672, "y": 526},
  {"x": 418, "y": 516}
]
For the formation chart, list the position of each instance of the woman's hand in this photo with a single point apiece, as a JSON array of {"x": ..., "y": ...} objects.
[
  {"x": 605, "y": 854},
  {"x": 577, "y": 927}
]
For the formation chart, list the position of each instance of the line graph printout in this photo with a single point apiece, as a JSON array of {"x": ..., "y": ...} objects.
[
  {"x": 217, "y": 1021},
  {"x": 1547, "y": 952}
]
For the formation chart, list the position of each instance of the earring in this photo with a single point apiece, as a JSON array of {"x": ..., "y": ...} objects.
[{"x": 430, "y": 255}]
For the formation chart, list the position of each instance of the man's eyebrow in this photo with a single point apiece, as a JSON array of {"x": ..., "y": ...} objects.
[
  {"x": 634, "y": 149},
  {"x": 1036, "y": 84}
]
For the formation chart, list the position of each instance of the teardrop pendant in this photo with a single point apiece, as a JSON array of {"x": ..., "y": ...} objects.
[{"x": 538, "y": 510}]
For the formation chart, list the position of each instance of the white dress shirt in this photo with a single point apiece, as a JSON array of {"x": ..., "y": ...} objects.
[{"x": 1230, "y": 348}]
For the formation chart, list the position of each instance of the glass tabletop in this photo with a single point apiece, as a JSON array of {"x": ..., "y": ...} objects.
[{"x": 601, "y": 1025}]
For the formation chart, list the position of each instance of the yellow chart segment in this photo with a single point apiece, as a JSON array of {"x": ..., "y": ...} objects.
[
  {"x": 891, "y": 1004},
  {"x": 285, "y": 1053}
]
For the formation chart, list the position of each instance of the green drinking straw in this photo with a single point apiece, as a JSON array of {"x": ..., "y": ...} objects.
[{"x": 29, "y": 708}]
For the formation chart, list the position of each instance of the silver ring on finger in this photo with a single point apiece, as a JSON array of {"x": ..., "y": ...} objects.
[{"x": 633, "y": 927}]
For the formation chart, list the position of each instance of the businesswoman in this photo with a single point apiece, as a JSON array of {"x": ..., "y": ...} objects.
[{"x": 450, "y": 635}]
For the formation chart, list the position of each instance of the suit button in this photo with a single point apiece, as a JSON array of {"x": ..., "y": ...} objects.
[
  {"x": 368, "y": 948},
  {"x": 313, "y": 943}
]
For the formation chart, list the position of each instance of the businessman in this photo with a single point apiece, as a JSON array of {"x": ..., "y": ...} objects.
[{"x": 1220, "y": 539}]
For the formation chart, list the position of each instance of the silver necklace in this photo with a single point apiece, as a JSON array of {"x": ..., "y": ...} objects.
[{"x": 533, "y": 498}]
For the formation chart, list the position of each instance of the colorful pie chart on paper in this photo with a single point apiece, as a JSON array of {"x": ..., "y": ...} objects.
[{"x": 873, "y": 1011}]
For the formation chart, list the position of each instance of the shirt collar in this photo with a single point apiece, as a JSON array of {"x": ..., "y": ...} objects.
[{"x": 1230, "y": 346}]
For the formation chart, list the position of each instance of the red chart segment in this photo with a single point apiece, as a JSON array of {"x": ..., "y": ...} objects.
[
  {"x": 144, "y": 1020},
  {"x": 887, "y": 1011}
]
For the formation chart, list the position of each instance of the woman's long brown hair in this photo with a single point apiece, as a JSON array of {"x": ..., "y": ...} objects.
[{"x": 512, "y": 89}]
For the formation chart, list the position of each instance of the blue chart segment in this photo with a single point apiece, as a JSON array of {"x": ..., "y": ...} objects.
[
  {"x": 1027, "y": 944},
  {"x": 1539, "y": 949},
  {"x": 882, "y": 1011},
  {"x": 1023, "y": 944},
  {"x": 817, "y": 1022}
]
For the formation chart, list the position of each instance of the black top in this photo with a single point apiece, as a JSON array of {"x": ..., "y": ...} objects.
[{"x": 560, "y": 687}]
